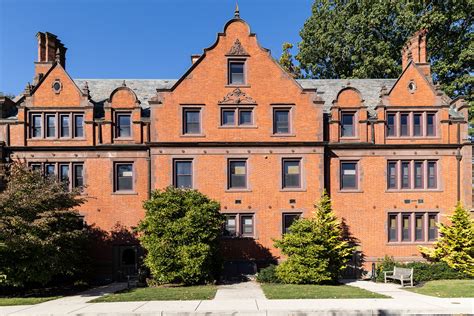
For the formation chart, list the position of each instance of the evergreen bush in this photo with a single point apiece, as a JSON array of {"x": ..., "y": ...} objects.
[{"x": 268, "y": 275}]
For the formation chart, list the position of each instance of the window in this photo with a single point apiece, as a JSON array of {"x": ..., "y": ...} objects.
[
  {"x": 237, "y": 174},
  {"x": 246, "y": 225},
  {"x": 78, "y": 176},
  {"x": 192, "y": 119},
  {"x": 291, "y": 173},
  {"x": 230, "y": 225},
  {"x": 391, "y": 126},
  {"x": 392, "y": 175},
  {"x": 236, "y": 72},
  {"x": 432, "y": 174},
  {"x": 123, "y": 177},
  {"x": 430, "y": 124},
  {"x": 123, "y": 125},
  {"x": 234, "y": 116},
  {"x": 36, "y": 125},
  {"x": 78, "y": 125},
  {"x": 64, "y": 173},
  {"x": 288, "y": 220},
  {"x": 418, "y": 174},
  {"x": 432, "y": 228},
  {"x": 417, "y": 122},
  {"x": 411, "y": 227},
  {"x": 281, "y": 121},
  {"x": 404, "y": 130},
  {"x": 49, "y": 169},
  {"x": 414, "y": 174},
  {"x": 35, "y": 166},
  {"x": 405, "y": 174},
  {"x": 347, "y": 125},
  {"x": 183, "y": 173},
  {"x": 406, "y": 218},
  {"x": 50, "y": 125},
  {"x": 393, "y": 231},
  {"x": 419, "y": 224},
  {"x": 348, "y": 175},
  {"x": 64, "y": 125}
]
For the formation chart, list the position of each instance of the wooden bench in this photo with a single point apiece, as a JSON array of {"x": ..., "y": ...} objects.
[{"x": 400, "y": 274}]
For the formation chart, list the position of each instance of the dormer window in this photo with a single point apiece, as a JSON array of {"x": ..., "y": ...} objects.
[
  {"x": 347, "y": 124},
  {"x": 236, "y": 72},
  {"x": 123, "y": 125}
]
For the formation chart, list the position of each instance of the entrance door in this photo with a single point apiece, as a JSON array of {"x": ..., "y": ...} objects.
[{"x": 125, "y": 262}]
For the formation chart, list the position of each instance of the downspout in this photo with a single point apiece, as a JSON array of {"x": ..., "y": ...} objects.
[
  {"x": 458, "y": 158},
  {"x": 372, "y": 131},
  {"x": 149, "y": 172}
]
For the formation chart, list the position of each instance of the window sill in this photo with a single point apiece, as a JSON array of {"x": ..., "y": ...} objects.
[
  {"x": 239, "y": 237},
  {"x": 409, "y": 243},
  {"x": 283, "y": 135},
  {"x": 124, "y": 138},
  {"x": 238, "y": 127},
  {"x": 124, "y": 193},
  {"x": 349, "y": 137},
  {"x": 243, "y": 190},
  {"x": 58, "y": 139},
  {"x": 293, "y": 190},
  {"x": 412, "y": 137},
  {"x": 237, "y": 86},
  {"x": 412, "y": 190},
  {"x": 192, "y": 135},
  {"x": 350, "y": 191}
]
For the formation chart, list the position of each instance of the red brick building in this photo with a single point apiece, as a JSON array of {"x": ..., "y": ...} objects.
[{"x": 392, "y": 153}]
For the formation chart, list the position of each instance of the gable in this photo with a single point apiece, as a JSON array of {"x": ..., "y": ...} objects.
[
  {"x": 349, "y": 97},
  {"x": 412, "y": 89},
  {"x": 45, "y": 94}
]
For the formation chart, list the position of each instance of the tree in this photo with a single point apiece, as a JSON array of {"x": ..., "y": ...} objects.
[
  {"x": 316, "y": 249},
  {"x": 41, "y": 234},
  {"x": 287, "y": 61},
  {"x": 363, "y": 39},
  {"x": 181, "y": 232},
  {"x": 455, "y": 246}
]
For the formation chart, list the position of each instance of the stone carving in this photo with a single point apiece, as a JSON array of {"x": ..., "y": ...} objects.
[
  {"x": 237, "y": 49},
  {"x": 237, "y": 97}
]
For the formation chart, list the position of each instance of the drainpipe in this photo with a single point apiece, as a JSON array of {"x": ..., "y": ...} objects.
[
  {"x": 149, "y": 172},
  {"x": 372, "y": 130},
  {"x": 458, "y": 158}
]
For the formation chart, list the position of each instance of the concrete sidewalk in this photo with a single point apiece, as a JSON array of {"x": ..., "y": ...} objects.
[{"x": 247, "y": 299}]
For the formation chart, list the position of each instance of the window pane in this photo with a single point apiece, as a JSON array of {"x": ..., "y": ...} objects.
[
  {"x": 281, "y": 122},
  {"x": 246, "y": 223},
  {"x": 418, "y": 174},
  {"x": 64, "y": 125},
  {"x": 64, "y": 173},
  {"x": 419, "y": 219},
  {"x": 348, "y": 175},
  {"x": 391, "y": 128},
  {"x": 392, "y": 175},
  {"x": 35, "y": 166},
  {"x": 124, "y": 177},
  {"x": 347, "y": 125},
  {"x": 245, "y": 117},
  {"x": 78, "y": 126},
  {"x": 392, "y": 227},
  {"x": 405, "y": 174},
  {"x": 50, "y": 125},
  {"x": 192, "y": 122},
  {"x": 228, "y": 117},
  {"x": 36, "y": 125},
  {"x": 78, "y": 175},
  {"x": 50, "y": 169},
  {"x": 406, "y": 228},
  {"x": 291, "y": 174},
  {"x": 237, "y": 174},
  {"x": 430, "y": 124},
  {"x": 123, "y": 125},
  {"x": 417, "y": 124},
  {"x": 288, "y": 220},
  {"x": 432, "y": 229},
  {"x": 404, "y": 124},
  {"x": 183, "y": 174},
  {"x": 432, "y": 175},
  {"x": 236, "y": 73},
  {"x": 230, "y": 228}
]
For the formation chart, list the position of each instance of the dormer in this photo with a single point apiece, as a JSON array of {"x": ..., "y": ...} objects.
[{"x": 349, "y": 117}]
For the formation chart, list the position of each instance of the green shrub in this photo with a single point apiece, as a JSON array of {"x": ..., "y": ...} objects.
[
  {"x": 181, "y": 232},
  {"x": 316, "y": 248},
  {"x": 422, "y": 271},
  {"x": 268, "y": 275}
]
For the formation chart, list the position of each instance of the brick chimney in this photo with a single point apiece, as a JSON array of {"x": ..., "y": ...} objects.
[
  {"x": 415, "y": 50},
  {"x": 50, "y": 50}
]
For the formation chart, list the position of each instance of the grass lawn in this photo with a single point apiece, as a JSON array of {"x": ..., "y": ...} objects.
[
  {"x": 291, "y": 291},
  {"x": 446, "y": 288},
  {"x": 162, "y": 293},
  {"x": 8, "y": 301}
]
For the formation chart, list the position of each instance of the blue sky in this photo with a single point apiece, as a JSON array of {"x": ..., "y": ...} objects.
[{"x": 133, "y": 38}]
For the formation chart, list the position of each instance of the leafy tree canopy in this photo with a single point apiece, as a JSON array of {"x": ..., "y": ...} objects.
[
  {"x": 363, "y": 39},
  {"x": 41, "y": 235}
]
